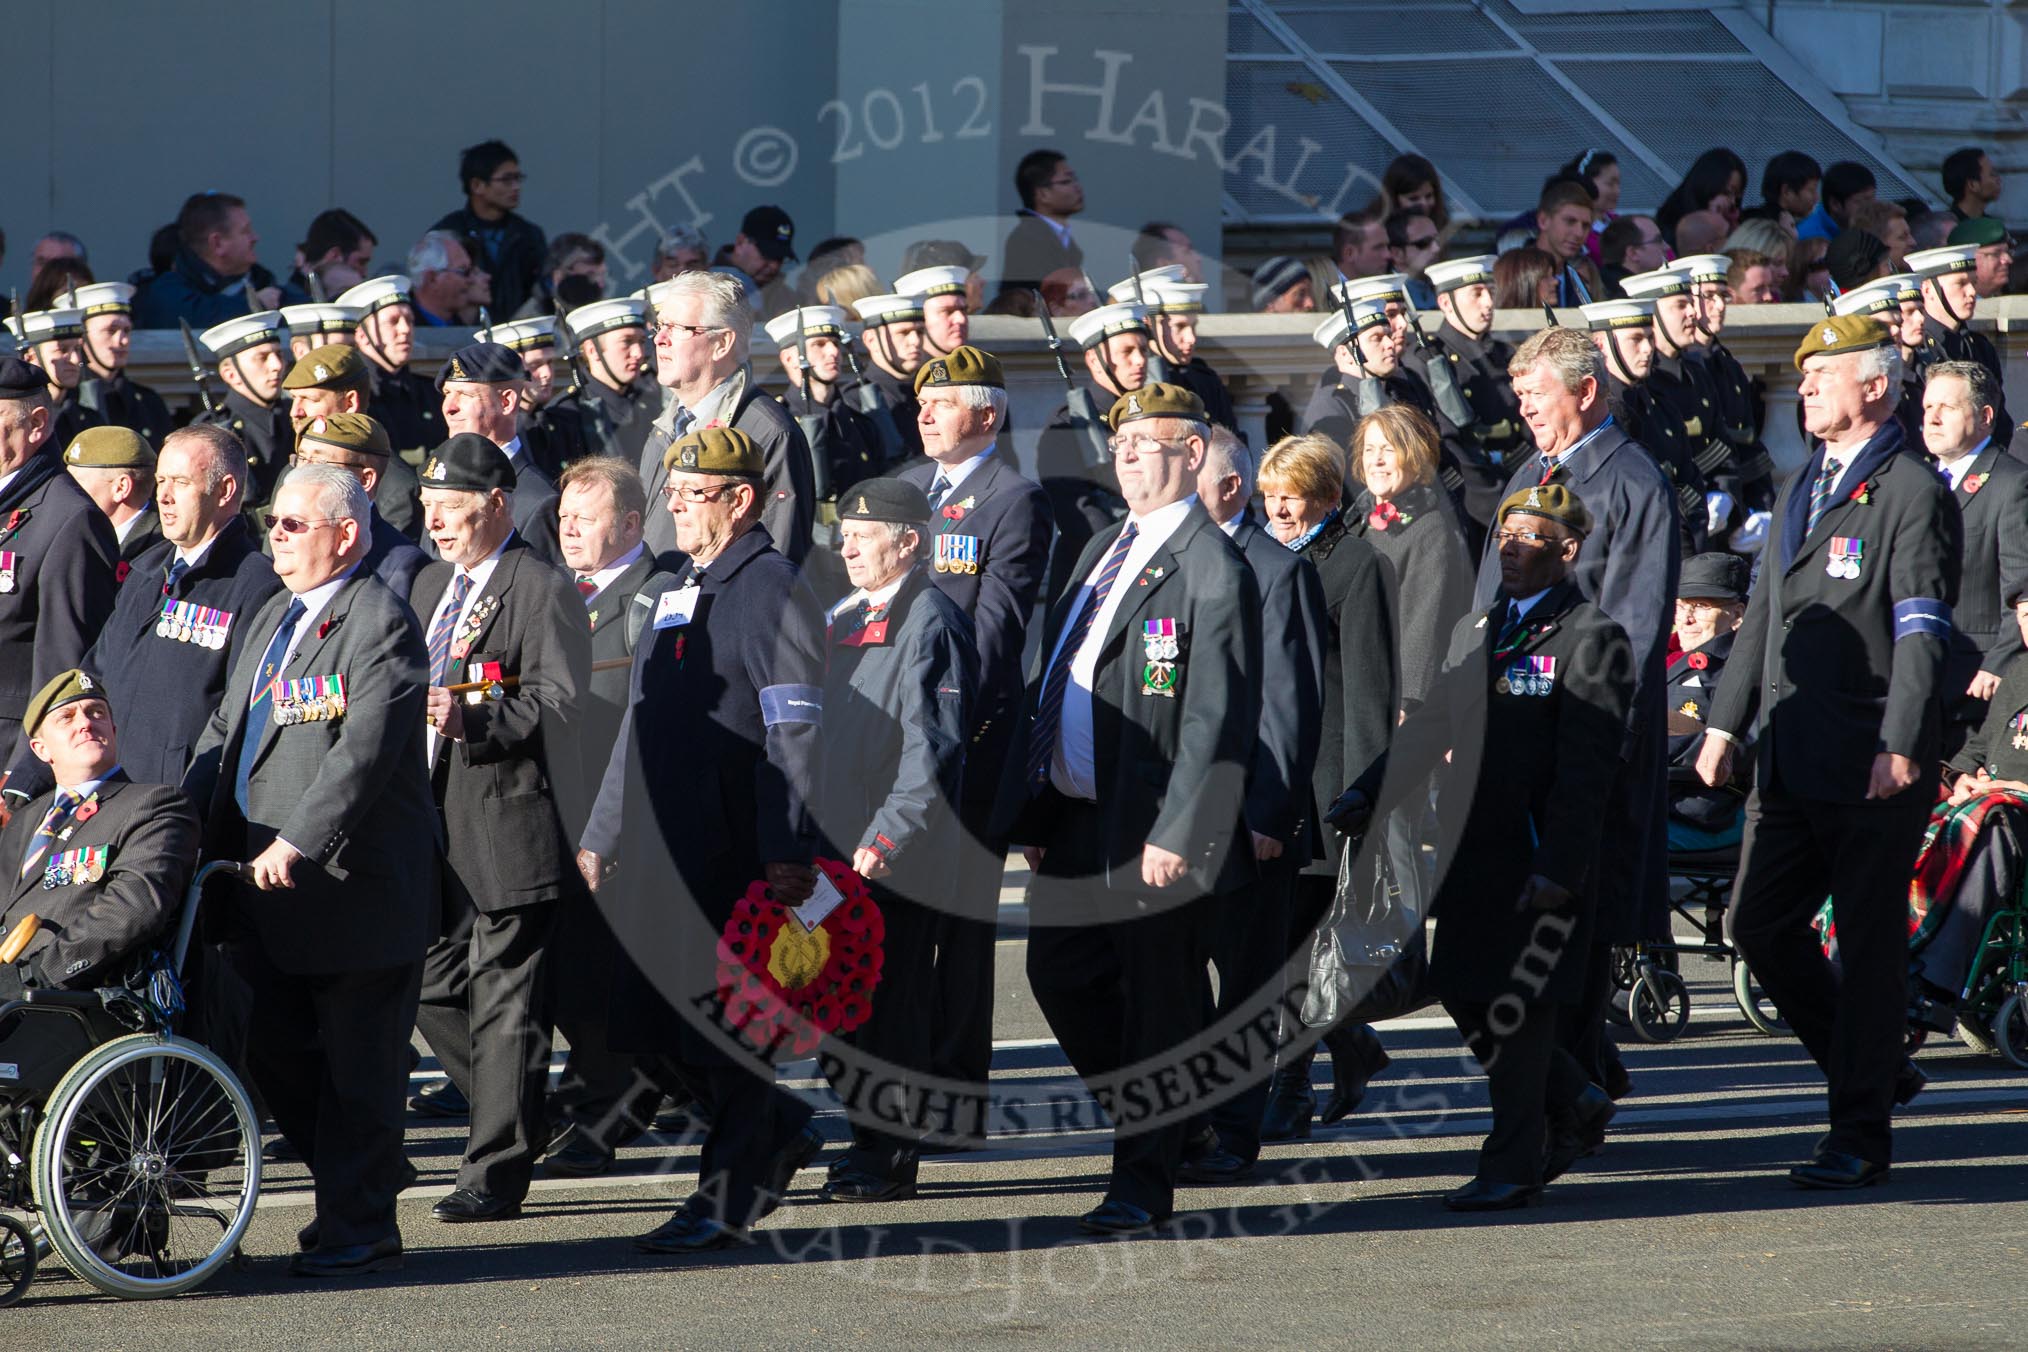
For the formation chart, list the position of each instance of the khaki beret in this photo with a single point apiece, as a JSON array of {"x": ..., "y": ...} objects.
[
  {"x": 335, "y": 367},
  {"x": 67, "y": 688},
  {"x": 349, "y": 432},
  {"x": 1840, "y": 333},
  {"x": 109, "y": 448},
  {"x": 715, "y": 450},
  {"x": 1552, "y": 502},
  {"x": 966, "y": 365},
  {"x": 1158, "y": 400}
]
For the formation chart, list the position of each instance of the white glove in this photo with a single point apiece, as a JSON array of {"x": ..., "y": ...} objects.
[
  {"x": 1752, "y": 533},
  {"x": 1718, "y": 506}
]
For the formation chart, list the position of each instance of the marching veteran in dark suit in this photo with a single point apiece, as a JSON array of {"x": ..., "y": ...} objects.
[
  {"x": 313, "y": 768},
  {"x": 100, "y": 861},
  {"x": 1838, "y": 672},
  {"x": 56, "y": 560},
  {"x": 1131, "y": 802},
  {"x": 599, "y": 527},
  {"x": 732, "y": 672},
  {"x": 988, "y": 548},
  {"x": 510, "y": 654},
  {"x": 1532, "y": 708},
  {"x": 1627, "y": 566},
  {"x": 897, "y": 714}
]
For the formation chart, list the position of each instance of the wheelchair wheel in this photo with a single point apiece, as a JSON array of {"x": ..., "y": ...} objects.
[
  {"x": 147, "y": 1165},
  {"x": 2010, "y": 1031},
  {"x": 1753, "y": 1002},
  {"x": 17, "y": 1260},
  {"x": 1975, "y": 1037},
  {"x": 1658, "y": 1007}
]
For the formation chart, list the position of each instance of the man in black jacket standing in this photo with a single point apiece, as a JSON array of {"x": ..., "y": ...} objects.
[
  {"x": 1131, "y": 809},
  {"x": 510, "y": 245},
  {"x": 1838, "y": 672}
]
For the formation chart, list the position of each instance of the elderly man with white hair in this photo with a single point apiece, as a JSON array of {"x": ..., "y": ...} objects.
[
  {"x": 447, "y": 281},
  {"x": 703, "y": 331},
  {"x": 1838, "y": 673}
]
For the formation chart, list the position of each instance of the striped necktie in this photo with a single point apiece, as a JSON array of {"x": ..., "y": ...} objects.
[
  {"x": 1820, "y": 493},
  {"x": 1549, "y": 464},
  {"x": 45, "y": 835},
  {"x": 1049, "y": 713},
  {"x": 447, "y": 623},
  {"x": 938, "y": 490}
]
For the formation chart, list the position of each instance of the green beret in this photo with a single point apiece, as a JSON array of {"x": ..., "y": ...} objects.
[
  {"x": 1158, "y": 400},
  {"x": 1841, "y": 333},
  {"x": 966, "y": 365},
  {"x": 468, "y": 463},
  {"x": 885, "y": 500},
  {"x": 715, "y": 450},
  {"x": 336, "y": 367},
  {"x": 1978, "y": 230},
  {"x": 1552, "y": 502},
  {"x": 349, "y": 432},
  {"x": 109, "y": 448},
  {"x": 68, "y": 688}
]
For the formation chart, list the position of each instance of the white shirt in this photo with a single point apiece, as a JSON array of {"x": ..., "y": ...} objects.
[
  {"x": 1955, "y": 470},
  {"x": 1057, "y": 228},
  {"x": 1580, "y": 443},
  {"x": 1231, "y": 528},
  {"x": 481, "y": 573},
  {"x": 605, "y": 576},
  {"x": 955, "y": 475},
  {"x": 1073, "y": 768},
  {"x": 191, "y": 558},
  {"x": 7, "y": 478},
  {"x": 879, "y": 596},
  {"x": 315, "y": 602},
  {"x": 122, "y": 529}
]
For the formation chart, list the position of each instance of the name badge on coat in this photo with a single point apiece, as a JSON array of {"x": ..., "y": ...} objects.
[{"x": 676, "y": 607}]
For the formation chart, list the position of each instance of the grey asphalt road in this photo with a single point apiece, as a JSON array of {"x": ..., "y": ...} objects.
[{"x": 1683, "y": 1232}]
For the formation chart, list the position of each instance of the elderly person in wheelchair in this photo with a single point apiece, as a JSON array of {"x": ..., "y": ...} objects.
[
  {"x": 1710, "y": 602},
  {"x": 100, "y": 861}
]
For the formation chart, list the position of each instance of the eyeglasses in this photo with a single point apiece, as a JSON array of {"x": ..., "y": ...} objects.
[
  {"x": 296, "y": 525},
  {"x": 1061, "y": 181},
  {"x": 1426, "y": 242},
  {"x": 1532, "y": 539},
  {"x": 509, "y": 179},
  {"x": 1140, "y": 443},
  {"x": 711, "y": 493},
  {"x": 694, "y": 330}
]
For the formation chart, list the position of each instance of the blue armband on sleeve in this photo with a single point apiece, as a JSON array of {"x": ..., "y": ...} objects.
[
  {"x": 1921, "y": 615},
  {"x": 792, "y": 704}
]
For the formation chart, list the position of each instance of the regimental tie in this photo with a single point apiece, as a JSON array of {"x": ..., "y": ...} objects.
[
  {"x": 1820, "y": 493},
  {"x": 45, "y": 835},
  {"x": 587, "y": 588},
  {"x": 1549, "y": 464},
  {"x": 1049, "y": 713},
  {"x": 937, "y": 491},
  {"x": 446, "y": 625},
  {"x": 263, "y": 699}
]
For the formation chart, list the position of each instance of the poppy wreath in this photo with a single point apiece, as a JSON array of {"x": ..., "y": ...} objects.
[{"x": 783, "y": 986}]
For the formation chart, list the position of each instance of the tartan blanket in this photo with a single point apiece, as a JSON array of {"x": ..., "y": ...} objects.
[{"x": 1947, "y": 845}]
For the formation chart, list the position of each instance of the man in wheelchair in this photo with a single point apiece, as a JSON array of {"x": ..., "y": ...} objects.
[
  {"x": 100, "y": 861},
  {"x": 1710, "y": 602}
]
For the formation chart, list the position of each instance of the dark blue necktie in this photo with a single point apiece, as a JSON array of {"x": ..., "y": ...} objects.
[
  {"x": 176, "y": 572},
  {"x": 263, "y": 700},
  {"x": 1049, "y": 712}
]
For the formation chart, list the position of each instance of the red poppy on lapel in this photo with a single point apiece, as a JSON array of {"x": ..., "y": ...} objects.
[
  {"x": 954, "y": 512},
  {"x": 1383, "y": 516},
  {"x": 1863, "y": 494},
  {"x": 1699, "y": 661},
  {"x": 121, "y": 569},
  {"x": 87, "y": 810},
  {"x": 1974, "y": 484},
  {"x": 324, "y": 629}
]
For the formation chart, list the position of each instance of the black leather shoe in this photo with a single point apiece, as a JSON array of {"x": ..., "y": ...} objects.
[
  {"x": 576, "y": 1155},
  {"x": 1356, "y": 1057},
  {"x": 853, "y": 1184},
  {"x": 1213, "y": 1167},
  {"x": 353, "y": 1260},
  {"x": 1836, "y": 1170},
  {"x": 1578, "y": 1132},
  {"x": 282, "y": 1151},
  {"x": 468, "y": 1204},
  {"x": 1291, "y": 1105},
  {"x": 1910, "y": 1082},
  {"x": 1484, "y": 1195},
  {"x": 1115, "y": 1218},
  {"x": 441, "y": 1099},
  {"x": 797, "y": 1152},
  {"x": 306, "y": 1238},
  {"x": 688, "y": 1232},
  {"x": 674, "y": 1116}
]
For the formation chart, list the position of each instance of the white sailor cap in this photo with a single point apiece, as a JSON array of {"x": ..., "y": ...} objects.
[
  {"x": 1383, "y": 287},
  {"x": 1874, "y": 298},
  {"x": 1128, "y": 290},
  {"x": 46, "y": 326},
  {"x": 526, "y": 335},
  {"x": 889, "y": 308},
  {"x": 1093, "y": 327},
  {"x": 1461, "y": 272},
  {"x": 1176, "y": 298},
  {"x": 235, "y": 336},
  {"x": 926, "y": 282},
  {"x": 1366, "y": 314},
  {"x": 1606, "y": 315},
  {"x": 1654, "y": 285},
  {"x": 1936, "y": 262},
  {"x": 1907, "y": 286},
  {"x": 320, "y": 317},
  {"x": 603, "y": 316},
  {"x": 377, "y": 293},
  {"x": 814, "y": 321},
  {"x": 1703, "y": 267},
  {"x": 103, "y": 298}
]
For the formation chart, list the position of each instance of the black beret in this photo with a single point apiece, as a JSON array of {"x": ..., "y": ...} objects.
[
  {"x": 1715, "y": 576},
  {"x": 1853, "y": 256},
  {"x": 468, "y": 463},
  {"x": 21, "y": 379},
  {"x": 885, "y": 500},
  {"x": 483, "y": 364}
]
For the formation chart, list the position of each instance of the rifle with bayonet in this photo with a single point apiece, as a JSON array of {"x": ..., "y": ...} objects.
[
  {"x": 865, "y": 397},
  {"x": 1085, "y": 418},
  {"x": 197, "y": 372},
  {"x": 1442, "y": 380},
  {"x": 485, "y": 325}
]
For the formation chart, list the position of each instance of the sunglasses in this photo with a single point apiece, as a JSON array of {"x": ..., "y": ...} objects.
[{"x": 296, "y": 525}]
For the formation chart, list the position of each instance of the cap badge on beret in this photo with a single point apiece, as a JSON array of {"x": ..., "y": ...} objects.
[
  {"x": 317, "y": 424},
  {"x": 322, "y": 372},
  {"x": 1133, "y": 403},
  {"x": 456, "y": 370},
  {"x": 1830, "y": 335},
  {"x": 434, "y": 469},
  {"x": 84, "y": 682},
  {"x": 863, "y": 508},
  {"x": 938, "y": 371},
  {"x": 1535, "y": 496},
  {"x": 687, "y": 457}
]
